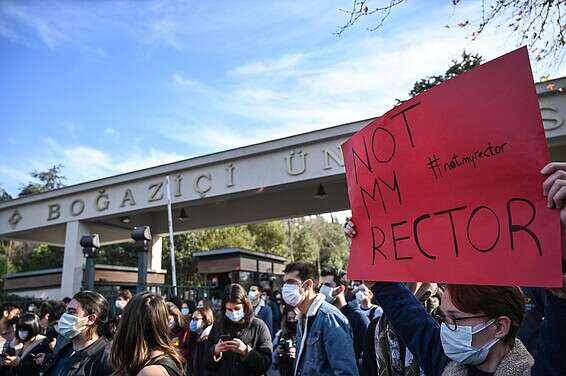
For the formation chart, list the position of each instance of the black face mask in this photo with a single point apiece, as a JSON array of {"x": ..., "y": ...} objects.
[{"x": 13, "y": 321}]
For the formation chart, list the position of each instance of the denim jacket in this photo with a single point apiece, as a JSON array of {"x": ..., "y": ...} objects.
[{"x": 328, "y": 348}]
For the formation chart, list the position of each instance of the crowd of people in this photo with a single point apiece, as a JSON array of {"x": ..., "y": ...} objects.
[{"x": 312, "y": 325}]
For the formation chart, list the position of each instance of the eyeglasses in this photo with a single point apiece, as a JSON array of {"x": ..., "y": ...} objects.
[{"x": 453, "y": 325}]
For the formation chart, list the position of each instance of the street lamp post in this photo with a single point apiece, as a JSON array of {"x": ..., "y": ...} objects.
[
  {"x": 90, "y": 244},
  {"x": 142, "y": 237}
]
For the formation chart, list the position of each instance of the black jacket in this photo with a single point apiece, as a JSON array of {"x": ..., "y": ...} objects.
[
  {"x": 256, "y": 363},
  {"x": 359, "y": 323},
  {"x": 92, "y": 361},
  {"x": 27, "y": 365}
]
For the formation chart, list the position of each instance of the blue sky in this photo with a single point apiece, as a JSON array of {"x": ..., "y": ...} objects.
[{"x": 110, "y": 87}]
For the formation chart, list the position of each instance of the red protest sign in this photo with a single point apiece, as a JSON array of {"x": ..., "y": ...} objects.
[{"x": 446, "y": 187}]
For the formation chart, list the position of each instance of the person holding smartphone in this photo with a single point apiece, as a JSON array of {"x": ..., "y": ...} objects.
[
  {"x": 239, "y": 343},
  {"x": 20, "y": 357}
]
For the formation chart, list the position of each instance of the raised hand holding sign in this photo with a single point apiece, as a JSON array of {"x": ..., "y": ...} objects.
[{"x": 446, "y": 186}]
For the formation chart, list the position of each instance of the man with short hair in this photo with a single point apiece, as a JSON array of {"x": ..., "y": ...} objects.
[
  {"x": 10, "y": 315},
  {"x": 261, "y": 309},
  {"x": 324, "y": 336},
  {"x": 364, "y": 297},
  {"x": 334, "y": 287}
]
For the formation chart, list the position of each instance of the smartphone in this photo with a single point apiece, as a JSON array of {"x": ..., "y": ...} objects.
[{"x": 225, "y": 337}]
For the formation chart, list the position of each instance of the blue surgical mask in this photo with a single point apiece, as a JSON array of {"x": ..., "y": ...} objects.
[
  {"x": 327, "y": 292},
  {"x": 195, "y": 326},
  {"x": 67, "y": 326},
  {"x": 457, "y": 344},
  {"x": 235, "y": 315},
  {"x": 185, "y": 311}
]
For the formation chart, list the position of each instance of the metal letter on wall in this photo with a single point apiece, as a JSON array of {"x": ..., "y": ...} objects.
[
  {"x": 200, "y": 190},
  {"x": 551, "y": 114},
  {"x": 302, "y": 161},
  {"x": 177, "y": 183},
  {"x": 77, "y": 207},
  {"x": 230, "y": 170},
  {"x": 14, "y": 219},
  {"x": 338, "y": 158},
  {"x": 128, "y": 197},
  {"x": 105, "y": 204},
  {"x": 156, "y": 192},
  {"x": 54, "y": 212}
]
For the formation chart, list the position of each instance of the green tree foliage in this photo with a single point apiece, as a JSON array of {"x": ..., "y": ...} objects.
[
  {"x": 189, "y": 243},
  {"x": 4, "y": 196},
  {"x": 117, "y": 254},
  {"x": 39, "y": 256},
  {"x": 21, "y": 257},
  {"x": 466, "y": 62},
  {"x": 270, "y": 237},
  {"x": 304, "y": 241},
  {"x": 45, "y": 181}
]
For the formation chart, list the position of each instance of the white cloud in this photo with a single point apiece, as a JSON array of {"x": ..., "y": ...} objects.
[
  {"x": 45, "y": 30},
  {"x": 280, "y": 97},
  {"x": 111, "y": 132},
  {"x": 180, "y": 80},
  {"x": 284, "y": 64},
  {"x": 164, "y": 32},
  {"x": 80, "y": 163}
]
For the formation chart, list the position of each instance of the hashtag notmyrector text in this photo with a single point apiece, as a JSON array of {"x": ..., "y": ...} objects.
[{"x": 439, "y": 168}]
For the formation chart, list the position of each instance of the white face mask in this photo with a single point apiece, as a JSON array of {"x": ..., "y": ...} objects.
[
  {"x": 361, "y": 296},
  {"x": 23, "y": 334},
  {"x": 291, "y": 294},
  {"x": 252, "y": 295},
  {"x": 172, "y": 324},
  {"x": 120, "y": 304},
  {"x": 457, "y": 344},
  {"x": 185, "y": 311},
  {"x": 327, "y": 292}
]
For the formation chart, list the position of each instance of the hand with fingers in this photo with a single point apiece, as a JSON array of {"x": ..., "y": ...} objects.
[
  {"x": 349, "y": 230},
  {"x": 554, "y": 187}
]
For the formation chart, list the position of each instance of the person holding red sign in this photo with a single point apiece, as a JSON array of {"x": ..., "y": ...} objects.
[{"x": 475, "y": 330}]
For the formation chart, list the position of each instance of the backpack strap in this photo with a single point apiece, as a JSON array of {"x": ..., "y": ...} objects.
[{"x": 372, "y": 313}]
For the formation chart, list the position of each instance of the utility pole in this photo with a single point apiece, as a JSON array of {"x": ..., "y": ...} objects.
[{"x": 290, "y": 233}]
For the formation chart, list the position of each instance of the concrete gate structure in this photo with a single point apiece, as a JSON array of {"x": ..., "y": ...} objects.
[{"x": 271, "y": 180}]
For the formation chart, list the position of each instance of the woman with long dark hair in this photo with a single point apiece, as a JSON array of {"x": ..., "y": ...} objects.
[
  {"x": 180, "y": 334},
  {"x": 142, "y": 345},
  {"x": 20, "y": 356},
  {"x": 239, "y": 343}
]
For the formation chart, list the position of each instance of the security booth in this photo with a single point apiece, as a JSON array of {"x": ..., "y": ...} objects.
[{"x": 221, "y": 267}]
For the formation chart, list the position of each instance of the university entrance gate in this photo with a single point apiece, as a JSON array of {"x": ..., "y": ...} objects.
[{"x": 294, "y": 176}]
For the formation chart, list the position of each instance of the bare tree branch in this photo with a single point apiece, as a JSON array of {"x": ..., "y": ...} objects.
[{"x": 537, "y": 23}]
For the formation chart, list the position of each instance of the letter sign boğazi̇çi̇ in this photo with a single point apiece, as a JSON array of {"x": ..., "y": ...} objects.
[{"x": 446, "y": 187}]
